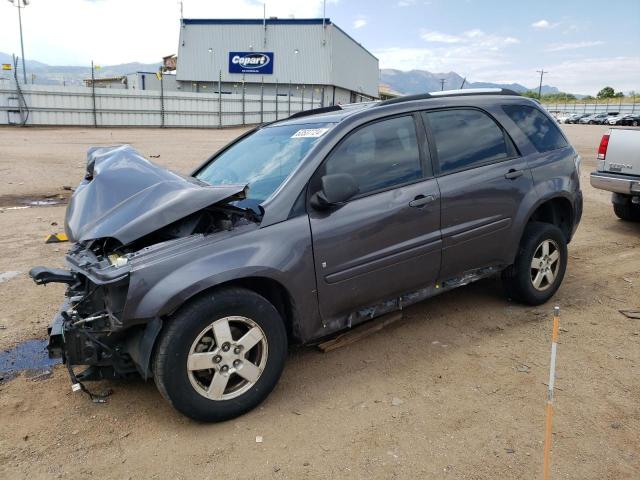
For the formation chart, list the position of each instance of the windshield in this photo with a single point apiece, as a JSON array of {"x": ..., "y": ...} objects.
[{"x": 263, "y": 160}]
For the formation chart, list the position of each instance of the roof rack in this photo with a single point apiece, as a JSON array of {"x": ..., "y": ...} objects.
[
  {"x": 315, "y": 111},
  {"x": 451, "y": 93}
]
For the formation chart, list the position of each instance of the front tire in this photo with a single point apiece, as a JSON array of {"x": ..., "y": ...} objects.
[
  {"x": 540, "y": 264},
  {"x": 220, "y": 355}
]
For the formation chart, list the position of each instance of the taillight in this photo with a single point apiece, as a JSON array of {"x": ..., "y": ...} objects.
[{"x": 602, "y": 149}]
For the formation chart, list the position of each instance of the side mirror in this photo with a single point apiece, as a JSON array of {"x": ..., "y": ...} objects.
[{"x": 336, "y": 188}]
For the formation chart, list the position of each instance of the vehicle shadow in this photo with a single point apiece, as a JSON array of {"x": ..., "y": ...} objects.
[{"x": 429, "y": 332}]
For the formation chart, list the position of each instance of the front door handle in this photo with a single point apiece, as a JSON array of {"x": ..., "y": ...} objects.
[
  {"x": 513, "y": 174},
  {"x": 421, "y": 201}
]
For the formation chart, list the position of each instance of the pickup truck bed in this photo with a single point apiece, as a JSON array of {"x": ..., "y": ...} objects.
[{"x": 618, "y": 171}]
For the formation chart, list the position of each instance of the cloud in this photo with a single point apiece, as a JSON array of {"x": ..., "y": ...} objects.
[
  {"x": 544, "y": 24},
  {"x": 558, "y": 47},
  {"x": 74, "y": 32},
  {"x": 359, "y": 23},
  {"x": 406, "y": 3},
  {"x": 474, "y": 37},
  {"x": 438, "y": 37}
]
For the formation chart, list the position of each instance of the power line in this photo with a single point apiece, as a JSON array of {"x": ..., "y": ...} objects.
[{"x": 541, "y": 72}]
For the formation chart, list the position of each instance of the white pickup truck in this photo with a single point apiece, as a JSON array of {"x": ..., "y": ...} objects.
[{"x": 618, "y": 171}]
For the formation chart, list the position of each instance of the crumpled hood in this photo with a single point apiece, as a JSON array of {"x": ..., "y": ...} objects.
[{"x": 125, "y": 196}]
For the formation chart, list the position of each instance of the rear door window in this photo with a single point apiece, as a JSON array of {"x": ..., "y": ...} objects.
[
  {"x": 466, "y": 138},
  {"x": 379, "y": 155},
  {"x": 542, "y": 132}
]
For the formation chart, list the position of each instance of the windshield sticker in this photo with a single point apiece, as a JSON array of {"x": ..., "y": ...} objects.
[{"x": 310, "y": 133}]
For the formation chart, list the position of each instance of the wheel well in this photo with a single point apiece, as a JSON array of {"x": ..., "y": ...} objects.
[
  {"x": 556, "y": 211},
  {"x": 274, "y": 292}
]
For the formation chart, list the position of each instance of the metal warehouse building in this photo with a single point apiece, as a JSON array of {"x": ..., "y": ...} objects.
[{"x": 313, "y": 58}]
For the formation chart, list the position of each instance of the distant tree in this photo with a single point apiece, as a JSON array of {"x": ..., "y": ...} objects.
[
  {"x": 587, "y": 97},
  {"x": 606, "y": 92},
  {"x": 530, "y": 94},
  {"x": 619, "y": 94}
]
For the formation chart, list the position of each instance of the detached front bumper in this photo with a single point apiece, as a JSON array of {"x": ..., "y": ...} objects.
[{"x": 617, "y": 183}]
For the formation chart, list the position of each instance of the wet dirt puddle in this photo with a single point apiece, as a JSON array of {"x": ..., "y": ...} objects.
[
  {"x": 30, "y": 357},
  {"x": 16, "y": 202}
]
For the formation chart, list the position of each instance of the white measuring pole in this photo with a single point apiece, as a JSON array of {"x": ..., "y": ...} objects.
[{"x": 552, "y": 379}]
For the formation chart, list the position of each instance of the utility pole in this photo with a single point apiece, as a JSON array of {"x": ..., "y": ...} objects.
[
  {"x": 442, "y": 80},
  {"x": 20, "y": 4},
  {"x": 541, "y": 72}
]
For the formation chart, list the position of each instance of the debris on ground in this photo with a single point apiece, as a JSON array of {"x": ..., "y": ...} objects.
[
  {"x": 396, "y": 402},
  {"x": 360, "y": 332},
  {"x": 258, "y": 438},
  {"x": 509, "y": 450},
  {"x": 56, "y": 238},
  {"x": 6, "y": 276},
  {"x": 38, "y": 374},
  {"x": 635, "y": 314},
  {"x": 523, "y": 368}
]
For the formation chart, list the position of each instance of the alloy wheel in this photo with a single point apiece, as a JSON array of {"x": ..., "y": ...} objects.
[
  {"x": 545, "y": 265},
  {"x": 227, "y": 358}
]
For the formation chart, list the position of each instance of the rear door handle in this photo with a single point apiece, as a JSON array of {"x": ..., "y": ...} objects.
[
  {"x": 513, "y": 174},
  {"x": 421, "y": 201}
]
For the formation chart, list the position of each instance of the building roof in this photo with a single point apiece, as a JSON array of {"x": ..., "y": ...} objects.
[
  {"x": 256, "y": 21},
  {"x": 271, "y": 21}
]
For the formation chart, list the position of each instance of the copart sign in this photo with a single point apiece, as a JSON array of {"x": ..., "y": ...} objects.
[{"x": 251, "y": 62}]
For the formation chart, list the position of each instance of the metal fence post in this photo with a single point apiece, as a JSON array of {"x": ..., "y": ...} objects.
[
  {"x": 302, "y": 101},
  {"x": 93, "y": 96},
  {"x": 161, "y": 100},
  {"x": 322, "y": 98},
  {"x": 276, "y": 99},
  {"x": 243, "y": 107},
  {"x": 289, "y": 98},
  {"x": 312, "y": 106},
  {"x": 219, "y": 98},
  {"x": 262, "y": 100}
]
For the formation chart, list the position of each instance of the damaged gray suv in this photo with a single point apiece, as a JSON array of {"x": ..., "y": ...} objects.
[{"x": 303, "y": 228}]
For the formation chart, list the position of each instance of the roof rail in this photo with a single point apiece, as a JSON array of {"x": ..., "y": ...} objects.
[
  {"x": 451, "y": 93},
  {"x": 315, "y": 111}
]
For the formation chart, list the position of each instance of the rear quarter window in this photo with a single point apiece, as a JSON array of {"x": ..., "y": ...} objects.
[{"x": 542, "y": 132}]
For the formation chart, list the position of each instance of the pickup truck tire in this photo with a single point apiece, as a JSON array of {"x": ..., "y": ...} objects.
[
  {"x": 220, "y": 355},
  {"x": 540, "y": 264},
  {"x": 627, "y": 211}
]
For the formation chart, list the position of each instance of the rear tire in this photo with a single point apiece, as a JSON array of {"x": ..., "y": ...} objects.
[
  {"x": 540, "y": 265},
  {"x": 627, "y": 211},
  {"x": 220, "y": 355}
]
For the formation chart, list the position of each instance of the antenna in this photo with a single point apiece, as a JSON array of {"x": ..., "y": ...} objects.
[
  {"x": 264, "y": 22},
  {"x": 324, "y": 13}
]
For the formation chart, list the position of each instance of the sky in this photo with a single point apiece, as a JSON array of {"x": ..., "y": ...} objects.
[{"x": 584, "y": 45}]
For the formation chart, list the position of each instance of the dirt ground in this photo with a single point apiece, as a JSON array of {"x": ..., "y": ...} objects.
[{"x": 455, "y": 390}]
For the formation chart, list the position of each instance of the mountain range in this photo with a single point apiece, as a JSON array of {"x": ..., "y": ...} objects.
[
  {"x": 413, "y": 81},
  {"x": 43, "y": 74},
  {"x": 419, "y": 81}
]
